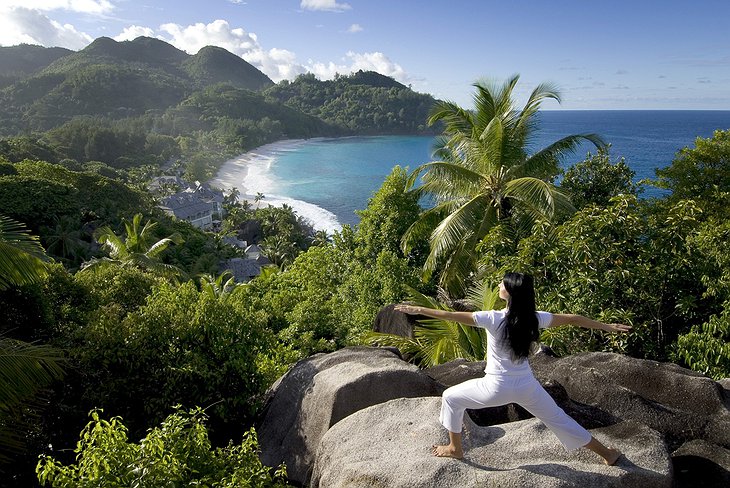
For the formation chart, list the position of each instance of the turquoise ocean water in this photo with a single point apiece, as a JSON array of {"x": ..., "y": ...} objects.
[{"x": 326, "y": 180}]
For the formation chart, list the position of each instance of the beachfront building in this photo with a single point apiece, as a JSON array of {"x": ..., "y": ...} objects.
[
  {"x": 167, "y": 185},
  {"x": 208, "y": 194},
  {"x": 189, "y": 207},
  {"x": 248, "y": 268},
  {"x": 198, "y": 204}
]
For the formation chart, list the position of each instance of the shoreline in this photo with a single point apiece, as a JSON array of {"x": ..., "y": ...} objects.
[{"x": 250, "y": 173}]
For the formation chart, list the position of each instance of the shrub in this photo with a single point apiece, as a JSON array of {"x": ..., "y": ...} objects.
[
  {"x": 182, "y": 347},
  {"x": 706, "y": 348},
  {"x": 178, "y": 453}
]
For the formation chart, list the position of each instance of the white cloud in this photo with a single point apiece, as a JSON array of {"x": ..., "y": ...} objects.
[
  {"x": 133, "y": 32},
  {"x": 217, "y": 33},
  {"x": 355, "y": 28},
  {"x": 22, "y": 25},
  {"x": 375, "y": 61},
  {"x": 81, "y": 6},
  {"x": 326, "y": 5},
  {"x": 277, "y": 64}
]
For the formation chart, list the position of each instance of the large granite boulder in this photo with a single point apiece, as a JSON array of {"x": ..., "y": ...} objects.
[
  {"x": 324, "y": 389},
  {"x": 700, "y": 463},
  {"x": 677, "y": 402},
  {"x": 389, "y": 445}
]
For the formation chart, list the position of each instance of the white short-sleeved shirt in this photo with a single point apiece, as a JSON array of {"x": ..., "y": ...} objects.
[{"x": 499, "y": 355}]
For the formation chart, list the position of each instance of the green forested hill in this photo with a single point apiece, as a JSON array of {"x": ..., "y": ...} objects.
[
  {"x": 18, "y": 62},
  {"x": 213, "y": 65},
  {"x": 117, "y": 80},
  {"x": 364, "y": 102}
]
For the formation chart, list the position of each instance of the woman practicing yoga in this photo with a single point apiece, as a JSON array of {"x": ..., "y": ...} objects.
[{"x": 509, "y": 379}]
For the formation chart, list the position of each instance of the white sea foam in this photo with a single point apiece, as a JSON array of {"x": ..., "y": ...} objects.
[{"x": 251, "y": 174}]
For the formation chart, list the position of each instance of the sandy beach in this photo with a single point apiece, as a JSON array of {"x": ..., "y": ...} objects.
[{"x": 251, "y": 174}]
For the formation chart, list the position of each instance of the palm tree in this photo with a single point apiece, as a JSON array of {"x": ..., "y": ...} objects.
[
  {"x": 259, "y": 196},
  {"x": 485, "y": 176},
  {"x": 139, "y": 248},
  {"x": 321, "y": 238},
  {"x": 280, "y": 250},
  {"x": 25, "y": 368},
  {"x": 223, "y": 287},
  {"x": 64, "y": 238},
  {"x": 231, "y": 199},
  {"x": 436, "y": 341}
]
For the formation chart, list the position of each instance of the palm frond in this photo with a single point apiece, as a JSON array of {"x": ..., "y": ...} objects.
[
  {"x": 168, "y": 271},
  {"x": 456, "y": 227},
  {"x": 158, "y": 247},
  {"x": 97, "y": 264},
  {"x": 21, "y": 255},
  {"x": 25, "y": 369},
  {"x": 541, "y": 92},
  {"x": 421, "y": 229},
  {"x": 111, "y": 242},
  {"x": 481, "y": 296},
  {"x": 408, "y": 347},
  {"x": 442, "y": 178},
  {"x": 454, "y": 118},
  {"x": 549, "y": 156},
  {"x": 421, "y": 300},
  {"x": 538, "y": 198},
  {"x": 491, "y": 139},
  {"x": 492, "y": 100}
]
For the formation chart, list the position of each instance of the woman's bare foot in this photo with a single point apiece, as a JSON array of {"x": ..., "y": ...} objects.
[
  {"x": 447, "y": 451},
  {"x": 609, "y": 454}
]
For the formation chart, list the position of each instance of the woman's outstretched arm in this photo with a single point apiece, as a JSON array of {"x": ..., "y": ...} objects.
[
  {"x": 461, "y": 317},
  {"x": 581, "y": 321}
]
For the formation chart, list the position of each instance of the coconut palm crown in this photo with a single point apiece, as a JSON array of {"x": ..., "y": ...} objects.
[
  {"x": 485, "y": 176},
  {"x": 140, "y": 248}
]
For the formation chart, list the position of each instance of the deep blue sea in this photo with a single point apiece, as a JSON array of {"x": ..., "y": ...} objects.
[{"x": 326, "y": 180}]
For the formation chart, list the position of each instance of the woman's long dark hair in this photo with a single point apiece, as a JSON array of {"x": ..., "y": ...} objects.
[{"x": 521, "y": 328}]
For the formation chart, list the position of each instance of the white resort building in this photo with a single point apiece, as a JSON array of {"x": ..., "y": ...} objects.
[{"x": 198, "y": 204}]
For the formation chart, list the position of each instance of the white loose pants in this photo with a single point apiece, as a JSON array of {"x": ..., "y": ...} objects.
[{"x": 495, "y": 390}]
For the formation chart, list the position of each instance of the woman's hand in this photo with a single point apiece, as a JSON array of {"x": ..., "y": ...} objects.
[
  {"x": 617, "y": 328},
  {"x": 409, "y": 309}
]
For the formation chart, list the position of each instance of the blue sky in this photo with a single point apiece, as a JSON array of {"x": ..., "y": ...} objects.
[{"x": 615, "y": 54}]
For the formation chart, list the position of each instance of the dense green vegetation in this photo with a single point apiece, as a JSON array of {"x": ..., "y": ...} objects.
[
  {"x": 364, "y": 102},
  {"x": 177, "y": 452},
  {"x": 117, "y": 306}
]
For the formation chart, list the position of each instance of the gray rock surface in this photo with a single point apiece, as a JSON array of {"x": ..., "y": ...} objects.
[
  {"x": 388, "y": 445},
  {"x": 322, "y": 390},
  {"x": 700, "y": 463},
  {"x": 677, "y": 402}
]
